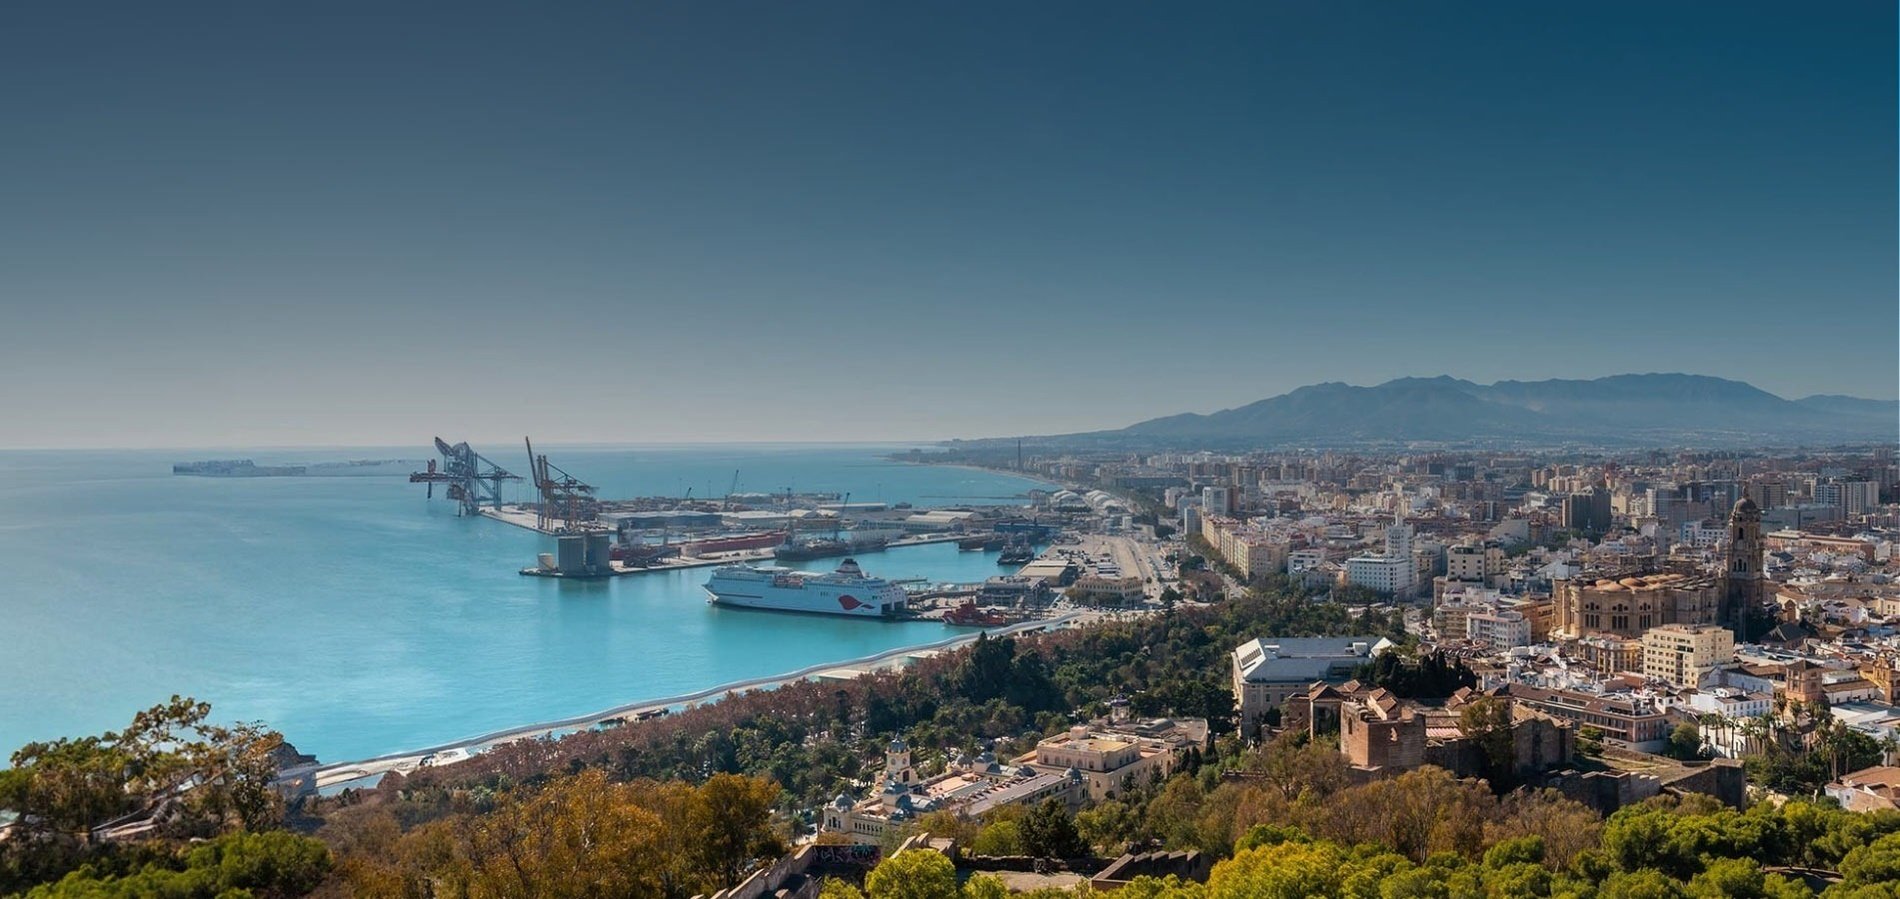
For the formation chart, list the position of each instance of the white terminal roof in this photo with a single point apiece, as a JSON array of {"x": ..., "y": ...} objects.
[{"x": 1305, "y": 659}]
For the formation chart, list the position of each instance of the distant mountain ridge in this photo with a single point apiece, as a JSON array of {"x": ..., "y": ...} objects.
[{"x": 1632, "y": 409}]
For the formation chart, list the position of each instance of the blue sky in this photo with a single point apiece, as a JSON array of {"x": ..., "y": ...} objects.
[{"x": 226, "y": 224}]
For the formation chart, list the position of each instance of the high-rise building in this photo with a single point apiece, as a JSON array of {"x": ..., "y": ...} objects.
[
  {"x": 1851, "y": 497},
  {"x": 1216, "y": 501},
  {"x": 1588, "y": 511}
]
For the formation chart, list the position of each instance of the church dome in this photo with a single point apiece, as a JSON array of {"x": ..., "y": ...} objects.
[{"x": 1745, "y": 505}]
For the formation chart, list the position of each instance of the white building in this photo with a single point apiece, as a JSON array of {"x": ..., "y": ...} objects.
[
  {"x": 1217, "y": 501},
  {"x": 1304, "y": 559},
  {"x": 1503, "y": 629},
  {"x": 1268, "y": 670},
  {"x": 1394, "y": 575}
]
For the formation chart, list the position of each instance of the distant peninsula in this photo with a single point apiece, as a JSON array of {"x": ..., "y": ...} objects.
[{"x": 246, "y": 468}]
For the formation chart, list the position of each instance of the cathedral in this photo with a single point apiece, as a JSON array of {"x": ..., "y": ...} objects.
[{"x": 1627, "y": 605}]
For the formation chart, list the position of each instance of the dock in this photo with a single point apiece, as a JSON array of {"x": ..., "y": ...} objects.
[{"x": 620, "y": 569}]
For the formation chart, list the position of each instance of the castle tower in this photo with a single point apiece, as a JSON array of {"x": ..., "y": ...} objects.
[{"x": 1742, "y": 575}]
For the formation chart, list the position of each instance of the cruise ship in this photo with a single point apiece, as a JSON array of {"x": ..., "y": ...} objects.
[{"x": 846, "y": 591}]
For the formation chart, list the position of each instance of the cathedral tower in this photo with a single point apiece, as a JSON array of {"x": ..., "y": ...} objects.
[{"x": 1742, "y": 576}]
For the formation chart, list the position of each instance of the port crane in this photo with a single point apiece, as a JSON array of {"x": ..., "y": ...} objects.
[
  {"x": 564, "y": 498},
  {"x": 471, "y": 479}
]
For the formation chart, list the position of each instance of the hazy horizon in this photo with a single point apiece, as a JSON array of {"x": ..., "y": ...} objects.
[
  {"x": 839, "y": 222},
  {"x": 488, "y": 442}
]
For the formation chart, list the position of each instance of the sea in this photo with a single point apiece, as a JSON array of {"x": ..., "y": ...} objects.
[{"x": 361, "y": 618}]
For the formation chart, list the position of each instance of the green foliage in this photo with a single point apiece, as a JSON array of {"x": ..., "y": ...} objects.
[
  {"x": 1874, "y": 864},
  {"x": 1049, "y": 832},
  {"x": 1108, "y": 826},
  {"x": 917, "y": 874},
  {"x": 1685, "y": 741},
  {"x": 1433, "y": 675},
  {"x": 985, "y": 886},
  {"x": 208, "y": 778},
  {"x": 998, "y": 838},
  {"x": 239, "y": 864},
  {"x": 833, "y": 888},
  {"x": 1487, "y": 722}
]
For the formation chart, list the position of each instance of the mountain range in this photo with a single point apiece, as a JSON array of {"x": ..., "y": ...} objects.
[{"x": 1636, "y": 409}]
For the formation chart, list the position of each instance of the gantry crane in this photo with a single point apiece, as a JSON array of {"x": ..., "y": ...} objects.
[
  {"x": 564, "y": 498},
  {"x": 471, "y": 479}
]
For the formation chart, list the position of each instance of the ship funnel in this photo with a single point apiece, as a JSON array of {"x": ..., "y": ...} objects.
[{"x": 547, "y": 561}]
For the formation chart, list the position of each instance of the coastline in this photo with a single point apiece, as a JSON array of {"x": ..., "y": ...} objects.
[{"x": 335, "y": 775}]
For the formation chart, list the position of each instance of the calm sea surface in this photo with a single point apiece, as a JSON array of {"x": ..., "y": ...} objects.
[{"x": 359, "y": 618}]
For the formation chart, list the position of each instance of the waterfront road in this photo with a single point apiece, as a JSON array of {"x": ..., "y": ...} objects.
[{"x": 328, "y": 776}]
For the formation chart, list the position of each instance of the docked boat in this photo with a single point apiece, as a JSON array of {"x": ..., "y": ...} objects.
[
  {"x": 969, "y": 615},
  {"x": 827, "y": 548},
  {"x": 845, "y": 591}
]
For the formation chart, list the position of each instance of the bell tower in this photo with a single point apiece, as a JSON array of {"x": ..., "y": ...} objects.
[
  {"x": 1742, "y": 574},
  {"x": 897, "y": 765}
]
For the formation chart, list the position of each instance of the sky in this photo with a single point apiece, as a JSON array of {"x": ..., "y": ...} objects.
[{"x": 245, "y": 224}]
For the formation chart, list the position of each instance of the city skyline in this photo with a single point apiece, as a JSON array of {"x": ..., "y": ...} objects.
[{"x": 682, "y": 223}]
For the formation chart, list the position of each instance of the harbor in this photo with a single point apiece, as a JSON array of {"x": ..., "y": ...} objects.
[
  {"x": 362, "y": 617},
  {"x": 598, "y": 538}
]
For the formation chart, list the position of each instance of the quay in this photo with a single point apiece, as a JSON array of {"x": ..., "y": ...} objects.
[{"x": 621, "y": 569}]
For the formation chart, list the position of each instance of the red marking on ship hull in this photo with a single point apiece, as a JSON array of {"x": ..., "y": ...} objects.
[{"x": 850, "y": 603}]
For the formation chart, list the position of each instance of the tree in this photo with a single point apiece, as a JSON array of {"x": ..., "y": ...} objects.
[
  {"x": 1281, "y": 871},
  {"x": 985, "y": 886},
  {"x": 576, "y": 837},
  {"x": 1873, "y": 864},
  {"x": 1646, "y": 884},
  {"x": 1487, "y": 723},
  {"x": 1590, "y": 741},
  {"x": 998, "y": 838},
  {"x": 213, "y": 776},
  {"x": 1108, "y": 826},
  {"x": 68, "y": 786},
  {"x": 265, "y": 865},
  {"x": 916, "y": 874},
  {"x": 833, "y": 888},
  {"x": 731, "y": 819},
  {"x": 1049, "y": 832},
  {"x": 1685, "y": 741}
]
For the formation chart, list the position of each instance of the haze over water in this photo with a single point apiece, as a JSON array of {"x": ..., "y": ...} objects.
[{"x": 360, "y": 619}]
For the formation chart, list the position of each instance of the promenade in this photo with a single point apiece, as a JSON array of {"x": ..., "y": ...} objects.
[{"x": 334, "y": 775}]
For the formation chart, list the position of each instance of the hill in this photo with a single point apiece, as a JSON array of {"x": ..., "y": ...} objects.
[{"x": 1634, "y": 409}]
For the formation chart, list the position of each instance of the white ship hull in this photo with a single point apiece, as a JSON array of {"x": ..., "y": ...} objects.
[{"x": 780, "y": 590}]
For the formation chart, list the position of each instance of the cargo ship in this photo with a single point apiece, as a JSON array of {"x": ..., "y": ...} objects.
[
  {"x": 846, "y": 591},
  {"x": 985, "y": 541},
  {"x": 827, "y": 548},
  {"x": 732, "y": 543},
  {"x": 246, "y": 468},
  {"x": 1019, "y": 552},
  {"x": 642, "y": 555},
  {"x": 236, "y": 468}
]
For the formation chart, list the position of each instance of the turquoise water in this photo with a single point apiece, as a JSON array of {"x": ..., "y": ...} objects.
[{"x": 359, "y": 618}]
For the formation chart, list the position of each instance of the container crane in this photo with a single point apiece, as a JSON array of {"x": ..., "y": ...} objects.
[
  {"x": 564, "y": 498},
  {"x": 470, "y": 479}
]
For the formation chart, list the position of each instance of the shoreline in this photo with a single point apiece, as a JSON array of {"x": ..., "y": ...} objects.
[{"x": 328, "y": 776}]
